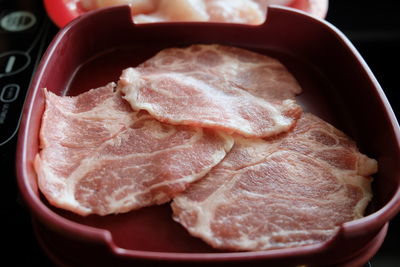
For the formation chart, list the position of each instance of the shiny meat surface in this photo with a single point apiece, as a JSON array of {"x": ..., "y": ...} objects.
[
  {"x": 292, "y": 190},
  {"x": 100, "y": 157},
  {"x": 216, "y": 86},
  {"x": 231, "y": 11},
  {"x": 236, "y": 11}
]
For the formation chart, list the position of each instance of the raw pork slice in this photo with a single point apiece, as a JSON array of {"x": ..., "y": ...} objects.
[
  {"x": 100, "y": 157},
  {"x": 294, "y": 190},
  {"x": 233, "y": 11},
  {"x": 215, "y": 86},
  {"x": 145, "y": 11}
]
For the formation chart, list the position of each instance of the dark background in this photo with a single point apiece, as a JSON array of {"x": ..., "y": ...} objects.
[{"x": 374, "y": 29}]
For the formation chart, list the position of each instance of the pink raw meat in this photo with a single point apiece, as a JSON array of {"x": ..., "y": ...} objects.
[
  {"x": 100, "y": 157},
  {"x": 216, "y": 86},
  {"x": 233, "y": 11},
  {"x": 293, "y": 190}
]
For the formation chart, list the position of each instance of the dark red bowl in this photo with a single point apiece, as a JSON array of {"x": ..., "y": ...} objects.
[
  {"x": 338, "y": 86},
  {"x": 62, "y": 12}
]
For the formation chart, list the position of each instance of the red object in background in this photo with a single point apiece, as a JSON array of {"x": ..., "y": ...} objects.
[
  {"x": 62, "y": 12},
  {"x": 317, "y": 8},
  {"x": 334, "y": 78}
]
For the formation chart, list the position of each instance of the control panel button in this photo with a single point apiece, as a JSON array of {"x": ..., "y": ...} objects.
[
  {"x": 9, "y": 93},
  {"x": 18, "y": 21},
  {"x": 12, "y": 62}
]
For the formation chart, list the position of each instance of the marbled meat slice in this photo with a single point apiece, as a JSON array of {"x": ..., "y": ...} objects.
[
  {"x": 100, "y": 157},
  {"x": 215, "y": 86},
  {"x": 293, "y": 190},
  {"x": 233, "y": 11}
]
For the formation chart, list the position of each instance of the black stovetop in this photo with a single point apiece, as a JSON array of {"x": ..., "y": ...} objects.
[
  {"x": 373, "y": 28},
  {"x": 25, "y": 32}
]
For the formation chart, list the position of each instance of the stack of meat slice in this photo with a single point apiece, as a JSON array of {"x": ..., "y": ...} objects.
[
  {"x": 232, "y": 11},
  {"x": 216, "y": 129}
]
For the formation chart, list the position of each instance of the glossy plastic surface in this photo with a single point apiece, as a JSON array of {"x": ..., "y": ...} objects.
[
  {"x": 338, "y": 86},
  {"x": 62, "y": 12}
]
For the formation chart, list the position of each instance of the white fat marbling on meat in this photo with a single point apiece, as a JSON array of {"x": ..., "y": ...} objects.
[
  {"x": 98, "y": 156},
  {"x": 215, "y": 86},
  {"x": 293, "y": 190}
]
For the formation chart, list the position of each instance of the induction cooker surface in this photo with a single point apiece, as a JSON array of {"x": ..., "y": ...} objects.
[{"x": 25, "y": 32}]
